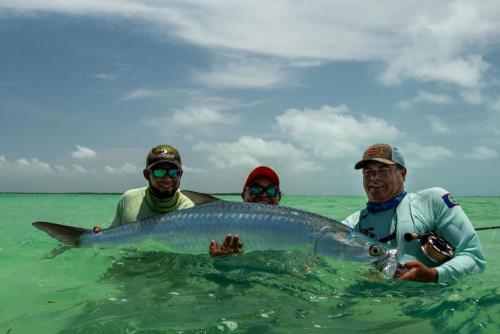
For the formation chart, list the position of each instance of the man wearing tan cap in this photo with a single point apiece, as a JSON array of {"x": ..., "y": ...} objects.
[
  {"x": 262, "y": 186},
  {"x": 434, "y": 239},
  {"x": 163, "y": 172}
]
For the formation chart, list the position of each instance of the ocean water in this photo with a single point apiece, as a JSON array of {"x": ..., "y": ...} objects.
[{"x": 46, "y": 289}]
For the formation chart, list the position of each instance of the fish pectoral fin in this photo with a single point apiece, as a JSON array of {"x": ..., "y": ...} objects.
[
  {"x": 199, "y": 198},
  {"x": 69, "y": 235}
]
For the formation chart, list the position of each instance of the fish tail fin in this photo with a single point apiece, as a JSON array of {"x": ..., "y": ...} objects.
[{"x": 69, "y": 235}]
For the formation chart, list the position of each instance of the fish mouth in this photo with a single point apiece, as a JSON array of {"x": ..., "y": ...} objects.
[{"x": 388, "y": 265}]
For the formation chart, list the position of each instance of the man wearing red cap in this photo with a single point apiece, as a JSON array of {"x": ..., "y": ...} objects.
[
  {"x": 262, "y": 185},
  {"x": 409, "y": 222},
  {"x": 163, "y": 172}
]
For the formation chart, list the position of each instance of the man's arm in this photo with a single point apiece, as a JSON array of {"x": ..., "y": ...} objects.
[
  {"x": 117, "y": 220},
  {"x": 452, "y": 224}
]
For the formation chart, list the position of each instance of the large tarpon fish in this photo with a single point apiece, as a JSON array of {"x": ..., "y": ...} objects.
[{"x": 261, "y": 226}]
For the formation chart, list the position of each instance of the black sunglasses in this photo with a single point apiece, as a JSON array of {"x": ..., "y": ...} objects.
[
  {"x": 160, "y": 173},
  {"x": 257, "y": 189}
]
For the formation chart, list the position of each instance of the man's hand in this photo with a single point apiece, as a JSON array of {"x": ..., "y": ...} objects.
[
  {"x": 231, "y": 245},
  {"x": 417, "y": 271}
]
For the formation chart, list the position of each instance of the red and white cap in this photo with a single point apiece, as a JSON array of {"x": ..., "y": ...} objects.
[{"x": 262, "y": 171}]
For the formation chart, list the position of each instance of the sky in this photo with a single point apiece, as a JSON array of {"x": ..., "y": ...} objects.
[{"x": 88, "y": 87}]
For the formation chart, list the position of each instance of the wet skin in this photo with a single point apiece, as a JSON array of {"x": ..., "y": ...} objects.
[
  {"x": 263, "y": 197},
  {"x": 232, "y": 243},
  {"x": 164, "y": 187},
  {"x": 382, "y": 182}
]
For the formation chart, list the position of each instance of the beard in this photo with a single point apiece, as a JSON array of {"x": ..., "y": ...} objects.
[{"x": 163, "y": 190}]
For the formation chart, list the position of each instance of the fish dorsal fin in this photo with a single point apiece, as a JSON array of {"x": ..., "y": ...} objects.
[
  {"x": 199, "y": 198},
  {"x": 66, "y": 234}
]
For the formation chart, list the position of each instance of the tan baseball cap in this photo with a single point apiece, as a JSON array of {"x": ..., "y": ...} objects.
[{"x": 383, "y": 153}]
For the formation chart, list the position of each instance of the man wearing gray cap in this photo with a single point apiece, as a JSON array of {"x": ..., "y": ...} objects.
[
  {"x": 163, "y": 172},
  {"x": 434, "y": 238}
]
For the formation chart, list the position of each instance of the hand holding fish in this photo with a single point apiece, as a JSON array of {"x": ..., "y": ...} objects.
[
  {"x": 232, "y": 245},
  {"x": 417, "y": 271}
]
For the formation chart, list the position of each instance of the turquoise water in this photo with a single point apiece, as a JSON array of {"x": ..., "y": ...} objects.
[{"x": 131, "y": 290}]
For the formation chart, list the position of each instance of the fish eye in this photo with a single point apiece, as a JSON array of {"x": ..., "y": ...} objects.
[{"x": 375, "y": 250}]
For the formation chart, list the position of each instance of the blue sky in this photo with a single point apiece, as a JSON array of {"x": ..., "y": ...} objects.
[{"x": 88, "y": 87}]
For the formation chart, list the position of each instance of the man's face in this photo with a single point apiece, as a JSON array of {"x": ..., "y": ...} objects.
[
  {"x": 382, "y": 182},
  {"x": 161, "y": 182},
  {"x": 263, "y": 197}
]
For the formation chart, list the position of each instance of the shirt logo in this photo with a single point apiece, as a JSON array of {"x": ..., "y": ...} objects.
[{"x": 449, "y": 200}]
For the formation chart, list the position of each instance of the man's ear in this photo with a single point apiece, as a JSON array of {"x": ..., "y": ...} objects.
[
  {"x": 403, "y": 173},
  {"x": 146, "y": 174},
  {"x": 243, "y": 195}
]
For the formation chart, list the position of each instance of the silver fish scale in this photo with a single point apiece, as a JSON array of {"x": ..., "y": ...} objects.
[{"x": 261, "y": 227}]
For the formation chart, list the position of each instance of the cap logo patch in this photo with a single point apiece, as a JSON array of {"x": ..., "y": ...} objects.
[
  {"x": 374, "y": 151},
  {"x": 168, "y": 155}
]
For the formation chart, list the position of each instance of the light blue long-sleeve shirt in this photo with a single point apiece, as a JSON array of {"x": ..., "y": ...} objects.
[{"x": 430, "y": 210}]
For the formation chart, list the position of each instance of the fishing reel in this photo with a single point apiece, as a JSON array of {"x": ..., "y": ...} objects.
[{"x": 434, "y": 247}]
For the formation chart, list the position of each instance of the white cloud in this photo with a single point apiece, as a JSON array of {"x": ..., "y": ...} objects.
[
  {"x": 405, "y": 104},
  {"x": 244, "y": 73},
  {"x": 434, "y": 98},
  {"x": 193, "y": 170},
  {"x": 197, "y": 119},
  {"x": 34, "y": 165},
  {"x": 249, "y": 152},
  {"x": 75, "y": 170},
  {"x": 83, "y": 152},
  {"x": 110, "y": 170},
  {"x": 439, "y": 126},
  {"x": 197, "y": 116},
  {"x": 425, "y": 97},
  {"x": 417, "y": 155},
  {"x": 444, "y": 43},
  {"x": 482, "y": 153},
  {"x": 104, "y": 76},
  {"x": 126, "y": 168},
  {"x": 22, "y": 162},
  {"x": 474, "y": 97},
  {"x": 425, "y": 40},
  {"x": 79, "y": 169},
  {"x": 332, "y": 132},
  {"x": 60, "y": 168},
  {"x": 143, "y": 93},
  {"x": 496, "y": 105},
  {"x": 462, "y": 72}
]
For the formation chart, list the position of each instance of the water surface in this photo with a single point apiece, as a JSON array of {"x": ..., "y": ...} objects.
[{"x": 142, "y": 290}]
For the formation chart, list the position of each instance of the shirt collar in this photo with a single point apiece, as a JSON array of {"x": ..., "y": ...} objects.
[{"x": 390, "y": 204}]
